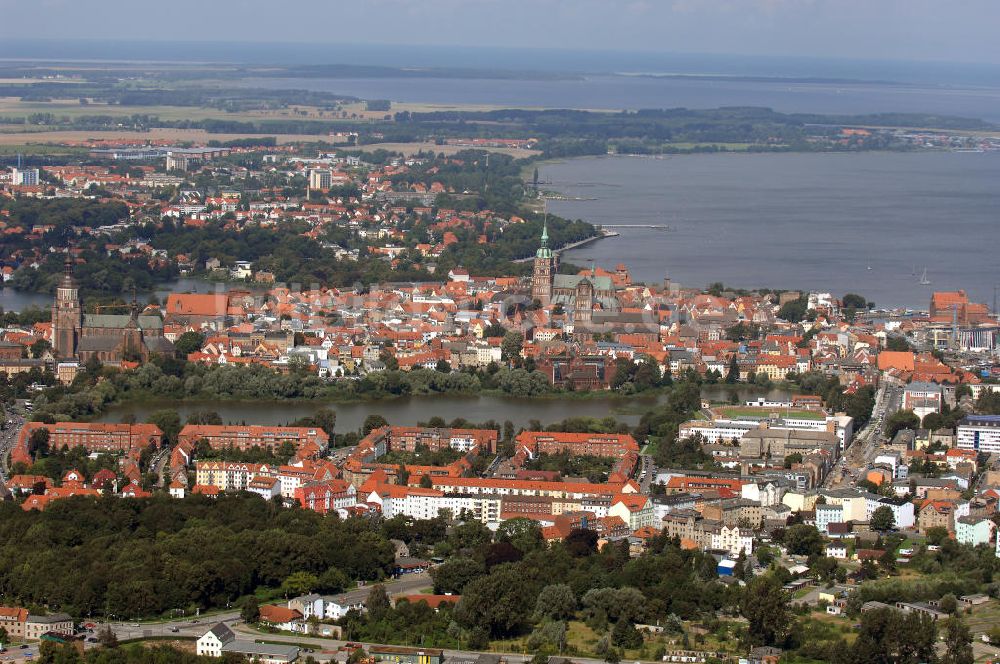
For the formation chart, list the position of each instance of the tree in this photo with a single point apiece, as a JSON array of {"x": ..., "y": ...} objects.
[
  {"x": 333, "y": 581},
  {"x": 169, "y": 421},
  {"x": 581, "y": 542},
  {"x": 442, "y": 366},
  {"x": 525, "y": 534},
  {"x": 794, "y": 311},
  {"x": 426, "y": 482},
  {"x": 903, "y": 419},
  {"x": 250, "y": 612},
  {"x": 555, "y": 602},
  {"x": 733, "y": 374},
  {"x": 897, "y": 344},
  {"x": 625, "y": 635},
  {"x": 187, "y": 343},
  {"x": 299, "y": 583},
  {"x": 373, "y": 422},
  {"x": 510, "y": 347},
  {"x": 498, "y": 603},
  {"x": 803, "y": 540},
  {"x": 888, "y": 636},
  {"x": 957, "y": 642},
  {"x": 936, "y": 535},
  {"x": 106, "y": 637},
  {"x": 882, "y": 519},
  {"x": 949, "y": 604},
  {"x": 378, "y": 603},
  {"x": 887, "y": 561},
  {"x": 38, "y": 442},
  {"x": 455, "y": 573},
  {"x": 933, "y": 421},
  {"x": 39, "y": 348},
  {"x": 855, "y": 301},
  {"x": 765, "y": 606}
]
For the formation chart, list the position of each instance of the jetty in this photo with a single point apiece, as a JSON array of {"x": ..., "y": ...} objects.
[{"x": 602, "y": 233}]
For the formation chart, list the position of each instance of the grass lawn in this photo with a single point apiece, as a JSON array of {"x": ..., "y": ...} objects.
[{"x": 983, "y": 618}]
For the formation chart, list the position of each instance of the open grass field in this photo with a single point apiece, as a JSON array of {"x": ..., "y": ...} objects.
[
  {"x": 413, "y": 148},
  {"x": 174, "y": 135},
  {"x": 983, "y": 618}
]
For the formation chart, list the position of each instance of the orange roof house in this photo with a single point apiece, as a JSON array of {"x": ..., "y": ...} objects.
[{"x": 895, "y": 359}]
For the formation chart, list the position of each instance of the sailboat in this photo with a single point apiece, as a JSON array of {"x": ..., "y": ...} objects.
[{"x": 924, "y": 281}]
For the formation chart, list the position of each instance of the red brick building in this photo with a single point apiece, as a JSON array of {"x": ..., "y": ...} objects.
[
  {"x": 95, "y": 436},
  {"x": 222, "y": 436},
  {"x": 579, "y": 444}
]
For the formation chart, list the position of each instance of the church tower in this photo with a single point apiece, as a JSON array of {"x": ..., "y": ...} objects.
[
  {"x": 67, "y": 315},
  {"x": 541, "y": 278}
]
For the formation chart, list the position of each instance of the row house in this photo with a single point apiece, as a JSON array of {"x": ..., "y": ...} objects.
[{"x": 244, "y": 438}]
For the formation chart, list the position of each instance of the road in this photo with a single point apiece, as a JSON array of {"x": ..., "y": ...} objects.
[
  {"x": 406, "y": 584},
  {"x": 8, "y": 436},
  {"x": 860, "y": 454}
]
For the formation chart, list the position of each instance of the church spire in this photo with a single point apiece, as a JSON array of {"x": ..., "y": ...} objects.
[
  {"x": 543, "y": 250},
  {"x": 67, "y": 278}
]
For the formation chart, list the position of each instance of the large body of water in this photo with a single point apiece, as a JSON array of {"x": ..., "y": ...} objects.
[
  {"x": 860, "y": 222},
  {"x": 638, "y": 92},
  {"x": 409, "y": 411}
]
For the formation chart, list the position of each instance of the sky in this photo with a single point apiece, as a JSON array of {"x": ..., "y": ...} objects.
[{"x": 934, "y": 30}]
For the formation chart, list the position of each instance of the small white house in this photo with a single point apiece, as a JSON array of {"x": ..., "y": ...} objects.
[
  {"x": 836, "y": 550},
  {"x": 265, "y": 487},
  {"x": 211, "y": 643}
]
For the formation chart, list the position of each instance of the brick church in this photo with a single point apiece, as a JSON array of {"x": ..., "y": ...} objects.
[{"x": 110, "y": 338}]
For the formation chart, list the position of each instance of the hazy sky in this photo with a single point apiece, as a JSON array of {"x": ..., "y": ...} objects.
[{"x": 956, "y": 30}]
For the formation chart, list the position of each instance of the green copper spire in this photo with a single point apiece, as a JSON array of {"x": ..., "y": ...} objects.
[{"x": 544, "y": 251}]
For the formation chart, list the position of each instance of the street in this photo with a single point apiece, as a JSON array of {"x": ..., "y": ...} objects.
[
  {"x": 189, "y": 626},
  {"x": 8, "y": 436}
]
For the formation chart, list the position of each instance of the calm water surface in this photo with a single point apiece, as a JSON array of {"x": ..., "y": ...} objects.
[
  {"x": 410, "y": 411},
  {"x": 868, "y": 223},
  {"x": 635, "y": 92}
]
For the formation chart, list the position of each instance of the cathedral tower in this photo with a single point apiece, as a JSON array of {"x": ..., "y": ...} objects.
[
  {"x": 541, "y": 278},
  {"x": 67, "y": 315}
]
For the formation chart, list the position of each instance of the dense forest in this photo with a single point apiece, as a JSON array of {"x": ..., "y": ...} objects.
[{"x": 133, "y": 558}]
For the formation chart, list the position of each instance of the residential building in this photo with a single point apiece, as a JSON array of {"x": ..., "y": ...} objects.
[
  {"x": 95, "y": 436},
  {"x": 242, "y": 437},
  {"x": 974, "y": 530},
  {"x": 581, "y": 444},
  {"x": 979, "y": 432},
  {"x": 53, "y": 623},
  {"x": 923, "y": 398}
]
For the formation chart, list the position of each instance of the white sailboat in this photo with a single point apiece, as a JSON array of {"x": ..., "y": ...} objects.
[{"x": 924, "y": 281}]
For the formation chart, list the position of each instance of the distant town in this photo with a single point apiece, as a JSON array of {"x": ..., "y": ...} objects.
[{"x": 801, "y": 458}]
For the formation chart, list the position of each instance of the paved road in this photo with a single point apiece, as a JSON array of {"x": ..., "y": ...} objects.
[
  {"x": 8, "y": 436},
  {"x": 191, "y": 626}
]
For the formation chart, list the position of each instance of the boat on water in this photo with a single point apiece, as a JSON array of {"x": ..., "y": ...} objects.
[{"x": 924, "y": 281}]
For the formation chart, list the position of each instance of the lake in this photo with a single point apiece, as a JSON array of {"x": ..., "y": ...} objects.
[
  {"x": 411, "y": 410},
  {"x": 868, "y": 223},
  {"x": 15, "y": 300},
  {"x": 604, "y": 91}
]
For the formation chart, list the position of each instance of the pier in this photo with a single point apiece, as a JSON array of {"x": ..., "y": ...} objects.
[{"x": 657, "y": 227}]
